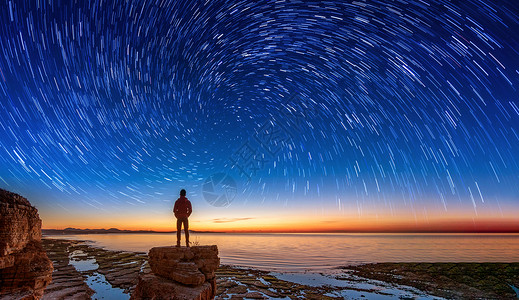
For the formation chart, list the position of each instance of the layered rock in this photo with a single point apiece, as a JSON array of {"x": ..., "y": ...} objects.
[
  {"x": 187, "y": 265},
  {"x": 154, "y": 287},
  {"x": 25, "y": 269},
  {"x": 179, "y": 273},
  {"x": 19, "y": 223}
]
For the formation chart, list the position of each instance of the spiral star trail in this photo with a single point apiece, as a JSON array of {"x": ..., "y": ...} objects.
[{"x": 405, "y": 105}]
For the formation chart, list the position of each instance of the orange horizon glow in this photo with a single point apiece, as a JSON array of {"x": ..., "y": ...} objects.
[
  {"x": 295, "y": 219},
  {"x": 329, "y": 226}
]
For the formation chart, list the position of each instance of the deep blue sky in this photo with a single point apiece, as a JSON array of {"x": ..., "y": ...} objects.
[{"x": 386, "y": 105}]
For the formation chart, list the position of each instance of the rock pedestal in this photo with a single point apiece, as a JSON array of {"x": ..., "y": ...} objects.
[
  {"x": 179, "y": 273},
  {"x": 25, "y": 269}
]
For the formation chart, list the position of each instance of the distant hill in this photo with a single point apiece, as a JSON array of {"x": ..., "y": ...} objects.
[{"x": 101, "y": 231}]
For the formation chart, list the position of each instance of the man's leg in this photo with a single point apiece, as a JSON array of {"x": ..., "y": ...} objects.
[
  {"x": 186, "y": 231},
  {"x": 179, "y": 231}
]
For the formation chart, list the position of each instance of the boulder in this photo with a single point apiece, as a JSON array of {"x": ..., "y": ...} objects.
[
  {"x": 187, "y": 265},
  {"x": 179, "y": 273},
  {"x": 154, "y": 287},
  {"x": 25, "y": 269}
]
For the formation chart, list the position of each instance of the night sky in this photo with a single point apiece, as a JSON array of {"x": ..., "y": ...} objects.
[{"x": 359, "y": 109}]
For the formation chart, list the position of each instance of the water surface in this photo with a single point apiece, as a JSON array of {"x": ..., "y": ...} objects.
[{"x": 317, "y": 252}]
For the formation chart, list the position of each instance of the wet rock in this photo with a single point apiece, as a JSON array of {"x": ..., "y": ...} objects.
[
  {"x": 25, "y": 269},
  {"x": 67, "y": 282},
  {"x": 448, "y": 280},
  {"x": 240, "y": 283}
]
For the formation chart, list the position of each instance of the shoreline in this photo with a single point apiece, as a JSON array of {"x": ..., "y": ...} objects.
[{"x": 83, "y": 270}]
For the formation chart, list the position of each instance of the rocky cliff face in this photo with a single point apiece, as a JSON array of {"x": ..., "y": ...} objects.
[
  {"x": 25, "y": 269},
  {"x": 180, "y": 273}
]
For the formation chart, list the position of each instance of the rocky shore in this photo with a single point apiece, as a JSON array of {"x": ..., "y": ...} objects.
[
  {"x": 449, "y": 280},
  {"x": 120, "y": 272},
  {"x": 82, "y": 271}
]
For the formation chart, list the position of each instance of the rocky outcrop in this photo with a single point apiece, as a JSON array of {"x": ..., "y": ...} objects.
[
  {"x": 154, "y": 287},
  {"x": 19, "y": 223},
  {"x": 187, "y": 265},
  {"x": 25, "y": 269},
  {"x": 180, "y": 273}
]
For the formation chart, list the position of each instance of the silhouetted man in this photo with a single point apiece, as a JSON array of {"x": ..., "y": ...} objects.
[{"x": 182, "y": 211}]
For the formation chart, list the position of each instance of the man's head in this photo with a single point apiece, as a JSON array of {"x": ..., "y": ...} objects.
[{"x": 182, "y": 192}]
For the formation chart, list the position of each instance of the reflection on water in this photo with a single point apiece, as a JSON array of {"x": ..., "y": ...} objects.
[
  {"x": 103, "y": 289},
  {"x": 81, "y": 262},
  {"x": 96, "y": 281},
  {"x": 300, "y": 252}
]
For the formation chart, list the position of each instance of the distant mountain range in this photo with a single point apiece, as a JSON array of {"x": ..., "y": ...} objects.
[{"x": 101, "y": 231}]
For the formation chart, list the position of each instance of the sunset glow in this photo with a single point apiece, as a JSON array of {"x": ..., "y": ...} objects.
[{"x": 298, "y": 220}]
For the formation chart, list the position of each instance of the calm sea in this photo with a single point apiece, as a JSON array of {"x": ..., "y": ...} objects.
[{"x": 318, "y": 252}]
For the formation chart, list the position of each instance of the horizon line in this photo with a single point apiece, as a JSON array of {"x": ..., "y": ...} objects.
[{"x": 511, "y": 231}]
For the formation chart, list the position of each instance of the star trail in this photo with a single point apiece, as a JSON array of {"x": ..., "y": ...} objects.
[{"x": 403, "y": 104}]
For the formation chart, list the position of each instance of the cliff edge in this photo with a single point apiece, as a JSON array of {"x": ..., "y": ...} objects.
[{"x": 25, "y": 269}]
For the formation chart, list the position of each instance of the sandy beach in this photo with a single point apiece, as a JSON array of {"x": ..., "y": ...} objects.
[{"x": 83, "y": 271}]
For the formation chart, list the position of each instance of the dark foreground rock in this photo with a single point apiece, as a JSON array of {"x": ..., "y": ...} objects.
[
  {"x": 25, "y": 269},
  {"x": 180, "y": 273},
  {"x": 449, "y": 280},
  {"x": 154, "y": 287}
]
